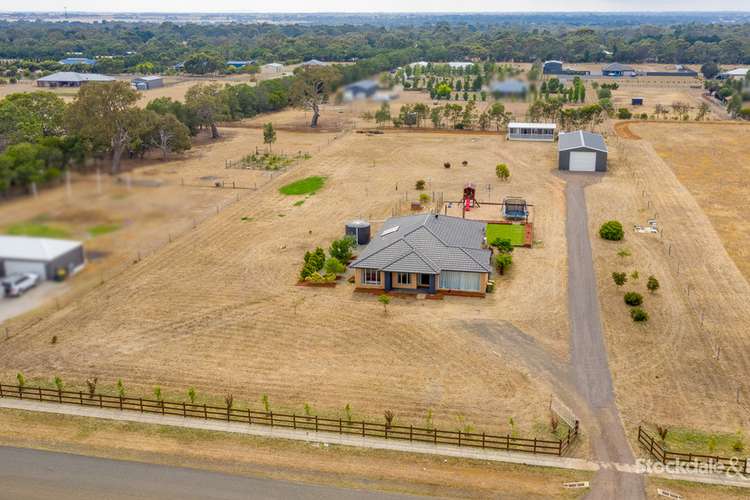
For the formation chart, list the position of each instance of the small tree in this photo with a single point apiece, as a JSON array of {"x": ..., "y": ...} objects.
[
  {"x": 269, "y": 134},
  {"x": 633, "y": 298},
  {"x": 424, "y": 198},
  {"x": 348, "y": 413},
  {"x": 502, "y": 171},
  {"x": 634, "y": 275},
  {"x": 503, "y": 261},
  {"x": 503, "y": 245},
  {"x": 229, "y": 401},
  {"x": 389, "y": 416},
  {"x": 120, "y": 388},
  {"x": 611, "y": 230},
  {"x": 342, "y": 249},
  {"x": 266, "y": 403},
  {"x": 334, "y": 266},
  {"x": 157, "y": 393},
  {"x": 21, "y": 380},
  {"x": 652, "y": 284},
  {"x": 191, "y": 395},
  {"x": 638, "y": 315},
  {"x": 385, "y": 300},
  {"x": 420, "y": 185},
  {"x": 59, "y": 384},
  {"x": 619, "y": 278},
  {"x": 91, "y": 383}
]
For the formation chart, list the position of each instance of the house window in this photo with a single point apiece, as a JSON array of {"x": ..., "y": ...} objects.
[
  {"x": 403, "y": 278},
  {"x": 455, "y": 280},
  {"x": 371, "y": 277}
]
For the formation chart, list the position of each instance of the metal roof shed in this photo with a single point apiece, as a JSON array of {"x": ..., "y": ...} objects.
[
  {"x": 582, "y": 151},
  {"x": 521, "y": 131},
  {"x": 43, "y": 256}
]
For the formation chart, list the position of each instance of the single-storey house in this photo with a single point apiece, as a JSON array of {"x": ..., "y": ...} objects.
[
  {"x": 581, "y": 151},
  {"x": 511, "y": 87},
  {"x": 617, "y": 69},
  {"x": 72, "y": 61},
  {"x": 47, "y": 257},
  {"x": 426, "y": 253},
  {"x": 240, "y": 64},
  {"x": 148, "y": 82},
  {"x": 272, "y": 68},
  {"x": 71, "y": 79},
  {"x": 735, "y": 74},
  {"x": 679, "y": 70},
  {"x": 521, "y": 131},
  {"x": 360, "y": 90}
]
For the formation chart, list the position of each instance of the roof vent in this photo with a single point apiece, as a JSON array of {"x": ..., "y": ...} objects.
[{"x": 389, "y": 231}]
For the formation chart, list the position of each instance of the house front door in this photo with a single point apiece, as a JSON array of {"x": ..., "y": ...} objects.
[{"x": 424, "y": 281}]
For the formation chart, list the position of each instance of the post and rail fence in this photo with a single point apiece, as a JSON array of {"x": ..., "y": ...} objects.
[
  {"x": 666, "y": 457},
  {"x": 293, "y": 421}
]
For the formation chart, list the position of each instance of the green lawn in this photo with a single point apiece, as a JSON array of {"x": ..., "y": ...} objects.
[
  {"x": 103, "y": 229},
  {"x": 37, "y": 229},
  {"x": 512, "y": 232},
  {"x": 308, "y": 185},
  {"x": 697, "y": 441}
]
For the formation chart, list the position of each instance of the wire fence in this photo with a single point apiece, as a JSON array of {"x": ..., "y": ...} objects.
[{"x": 293, "y": 421}]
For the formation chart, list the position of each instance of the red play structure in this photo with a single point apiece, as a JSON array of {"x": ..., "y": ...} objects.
[{"x": 470, "y": 197}]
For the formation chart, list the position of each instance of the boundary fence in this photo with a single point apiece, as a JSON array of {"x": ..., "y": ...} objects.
[
  {"x": 667, "y": 457},
  {"x": 303, "y": 422}
]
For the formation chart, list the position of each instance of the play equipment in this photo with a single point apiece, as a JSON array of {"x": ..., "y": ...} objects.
[
  {"x": 515, "y": 208},
  {"x": 470, "y": 197}
]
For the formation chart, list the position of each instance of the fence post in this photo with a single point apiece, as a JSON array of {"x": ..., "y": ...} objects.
[
  {"x": 534, "y": 451},
  {"x": 1, "y": 390},
  {"x": 385, "y": 431},
  {"x": 271, "y": 413},
  {"x": 316, "y": 423},
  {"x": 101, "y": 404},
  {"x": 363, "y": 428},
  {"x": 459, "y": 438},
  {"x": 435, "y": 429},
  {"x": 249, "y": 417},
  {"x": 120, "y": 402},
  {"x": 205, "y": 412},
  {"x": 80, "y": 397},
  {"x": 483, "y": 440},
  {"x": 294, "y": 421},
  {"x": 340, "y": 430},
  {"x": 507, "y": 442},
  {"x": 39, "y": 390},
  {"x": 411, "y": 431},
  {"x": 184, "y": 409},
  {"x": 59, "y": 395},
  {"x": 140, "y": 403}
]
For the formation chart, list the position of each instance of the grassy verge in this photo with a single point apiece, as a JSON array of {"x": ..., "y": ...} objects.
[
  {"x": 513, "y": 232},
  {"x": 694, "y": 490},
  {"x": 308, "y": 185},
  {"x": 102, "y": 229},
  {"x": 37, "y": 229},
  {"x": 685, "y": 440}
]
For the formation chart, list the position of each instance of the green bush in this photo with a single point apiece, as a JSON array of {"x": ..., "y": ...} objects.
[
  {"x": 342, "y": 249},
  {"x": 334, "y": 266},
  {"x": 652, "y": 284},
  {"x": 633, "y": 298},
  {"x": 619, "y": 278},
  {"x": 611, "y": 230},
  {"x": 638, "y": 314},
  {"x": 624, "y": 114},
  {"x": 420, "y": 184}
]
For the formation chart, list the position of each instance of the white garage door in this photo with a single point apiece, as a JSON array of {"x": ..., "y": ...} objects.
[
  {"x": 582, "y": 161},
  {"x": 21, "y": 266}
]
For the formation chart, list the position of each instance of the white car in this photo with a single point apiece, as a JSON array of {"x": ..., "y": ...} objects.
[{"x": 17, "y": 284}]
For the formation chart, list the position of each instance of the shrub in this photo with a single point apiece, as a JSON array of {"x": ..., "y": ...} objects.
[
  {"x": 652, "y": 284},
  {"x": 157, "y": 393},
  {"x": 316, "y": 277},
  {"x": 738, "y": 444},
  {"x": 424, "y": 198},
  {"x": 503, "y": 261},
  {"x": 502, "y": 171},
  {"x": 385, "y": 300},
  {"x": 619, "y": 278},
  {"x": 502, "y": 244},
  {"x": 389, "y": 416},
  {"x": 342, "y": 249},
  {"x": 334, "y": 266},
  {"x": 266, "y": 403},
  {"x": 624, "y": 114},
  {"x": 58, "y": 383},
  {"x": 638, "y": 314},
  {"x": 348, "y": 413},
  {"x": 420, "y": 184},
  {"x": 191, "y": 395},
  {"x": 634, "y": 275},
  {"x": 447, "y": 164},
  {"x": 633, "y": 298},
  {"x": 91, "y": 383},
  {"x": 611, "y": 230},
  {"x": 21, "y": 380}
]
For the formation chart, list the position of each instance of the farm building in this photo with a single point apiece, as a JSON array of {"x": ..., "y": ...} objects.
[
  {"x": 49, "y": 258},
  {"x": 426, "y": 253},
  {"x": 72, "y": 61},
  {"x": 581, "y": 151},
  {"x": 460, "y": 64},
  {"x": 556, "y": 68},
  {"x": 360, "y": 90},
  {"x": 70, "y": 79},
  {"x": 272, "y": 68},
  {"x": 313, "y": 62},
  {"x": 509, "y": 88},
  {"x": 520, "y": 131},
  {"x": 636, "y": 101},
  {"x": 148, "y": 82},
  {"x": 617, "y": 69}
]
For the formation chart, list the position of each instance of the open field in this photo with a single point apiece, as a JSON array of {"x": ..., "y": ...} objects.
[
  {"x": 220, "y": 310},
  {"x": 285, "y": 460},
  {"x": 686, "y": 366}
]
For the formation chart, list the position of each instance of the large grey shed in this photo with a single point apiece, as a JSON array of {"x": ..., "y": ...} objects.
[
  {"x": 42, "y": 256},
  {"x": 360, "y": 229},
  {"x": 581, "y": 151}
]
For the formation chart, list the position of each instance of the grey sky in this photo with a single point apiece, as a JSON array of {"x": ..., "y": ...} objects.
[{"x": 371, "y": 5}]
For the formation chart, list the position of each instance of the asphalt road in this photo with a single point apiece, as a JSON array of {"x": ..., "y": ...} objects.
[
  {"x": 35, "y": 474},
  {"x": 591, "y": 373}
]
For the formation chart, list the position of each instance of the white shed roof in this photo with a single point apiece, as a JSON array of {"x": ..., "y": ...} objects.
[
  {"x": 549, "y": 126},
  {"x": 28, "y": 248},
  {"x": 70, "y": 76}
]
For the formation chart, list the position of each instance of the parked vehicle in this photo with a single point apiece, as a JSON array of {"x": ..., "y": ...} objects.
[{"x": 18, "y": 284}]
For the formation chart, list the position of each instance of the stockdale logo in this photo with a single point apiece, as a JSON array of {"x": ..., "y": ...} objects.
[{"x": 735, "y": 468}]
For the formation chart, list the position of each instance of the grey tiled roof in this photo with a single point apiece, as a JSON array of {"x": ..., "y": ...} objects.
[
  {"x": 427, "y": 244},
  {"x": 580, "y": 139}
]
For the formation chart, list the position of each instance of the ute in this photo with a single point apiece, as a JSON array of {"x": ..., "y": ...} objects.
[{"x": 18, "y": 284}]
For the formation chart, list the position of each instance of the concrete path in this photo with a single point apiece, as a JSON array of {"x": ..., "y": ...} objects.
[
  {"x": 11, "y": 307},
  {"x": 35, "y": 474},
  {"x": 589, "y": 355}
]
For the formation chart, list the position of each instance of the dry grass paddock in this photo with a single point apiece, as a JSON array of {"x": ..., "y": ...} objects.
[
  {"x": 667, "y": 371},
  {"x": 219, "y": 309}
]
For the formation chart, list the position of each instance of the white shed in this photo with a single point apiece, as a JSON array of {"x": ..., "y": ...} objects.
[{"x": 42, "y": 256}]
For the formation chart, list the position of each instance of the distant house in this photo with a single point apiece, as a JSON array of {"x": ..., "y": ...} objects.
[
  {"x": 71, "y": 79},
  {"x": 554, "y": 67},
  {"x": 72, "y": 61},
  {"x": 314, "y": 62},
  {"x": 49, "y": 258},
  {"x": 272, "y": 68},
  {"x": 531, "y": 131},
  {"x": 617, "y": 69},
  {"x": 460, "y": 64},
  {"x": 581, "y": 151},
  {"x": 240, "y": 64},
  {"x": 509, "y": 88},
  {"x": 426, "y": 253},
  {"x": 148, "y": 82},
  {"x": 735, "y": 74},
  {"x": 421, "y": 64},
  {"x": 360, "y": 90}
]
